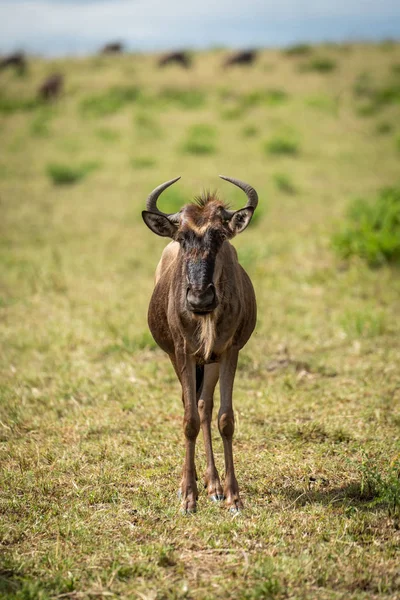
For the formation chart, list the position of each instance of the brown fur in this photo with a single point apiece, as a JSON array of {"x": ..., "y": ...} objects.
[
  {"x": 179, "y": 58},
  {"x": 191, "y": 339}
]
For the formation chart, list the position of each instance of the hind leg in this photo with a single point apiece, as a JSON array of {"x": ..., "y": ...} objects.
[{"x": 205, "y": 406}]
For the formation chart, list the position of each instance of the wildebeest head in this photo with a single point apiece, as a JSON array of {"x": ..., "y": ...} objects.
[{"x": 200, "y": 228}]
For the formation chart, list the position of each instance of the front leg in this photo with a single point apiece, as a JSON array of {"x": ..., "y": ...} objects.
[
  {"x": 191, "y": 425},
  {"x": 205, "y": 405},
  {"x": 226, "y": 426}
]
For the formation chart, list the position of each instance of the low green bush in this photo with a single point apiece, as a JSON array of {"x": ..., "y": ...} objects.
[
  {"x": 10, "y": 105},
  {"x": 249, "y": 131},
  {"x": 182, "y": 98},
  {"x": 63, "y": 174},
  {"x": 40, "y": 125},
  {"x": 320, "y": 64},
  {"x": 109, "y": 102},
  {"x": 284, "y": 183},
  {"x": 107, "y": 134},
  {"x": 372, "y": 229},
  {"x": 382, "y": 488},
  {"x": 383, "y": 128},
  {"x": 270, "y": 97},
  {"x": 375, "y": 98},
  {"x": 200, "y": 140},
  {"x": 298, "y": 50},
  {"x": 282, "y": 145},
  {"x": 147, "y": 127},
  {"x": 143, "y": 162}
]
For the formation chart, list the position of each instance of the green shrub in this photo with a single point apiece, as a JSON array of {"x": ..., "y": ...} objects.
[
  {"x": 383, "y": 128},
  {"x": 271, "y": 97},
  {"x": 249, "y": 131},
  {"x": 109, "y": 102},
  {"x": 40, "y": 123},
  {"x": 200, "y": 140},
  {"x": 143, "y": 162},
  {"x": 107, "y": 135},
  {"x": 298, "y": 50},
  {"x": 372, "y": 229},
  {"x": 146, "y": 126},
  {"x": 232, "y": 113},
  {"x": 282, "y": 146},
  {"x": 284, "y": 183},
  {"x": 10, "y": 105},
  {"x": 363, "y": 86},
  {"x": 324, "y": 103},
  {"x": 381, "y": 488},
  {"x": 182, "y": 98},
  {"x": 62, "y": 174},
  {"x": 364, "y": 323},
  {"x": 320, "y": 64},
  {"x": 376, "y": 97},
  {"x": 388, "y": 94}
]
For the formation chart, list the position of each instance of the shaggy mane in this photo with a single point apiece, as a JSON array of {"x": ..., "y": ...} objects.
[{"x": 206, "y": 197}]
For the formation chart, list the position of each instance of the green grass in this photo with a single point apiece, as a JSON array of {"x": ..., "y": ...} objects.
[
  {"x": 66, "y": 174},
  {"x": 40, "y": 124},
  {"x": 10, "y": 105},
  {"x": 249, "y": 131},
  {"x": 91, "y": 440},
  {"x": 282, "y": 145},
  {"x": 320, "y": 64},
  {"x": 298, "y": 50},
  {"x": 269, "y": 97},
  {"x": 106, "y": 134},
  {"x": 143, "y": 162},
  {"x": 188, "y": 99},
  {"x": 373, "y": 229},
  {"x": 200, "y": 140},
  {"x": 383, "y": 128},
  {"x": 147, "y": 126},
  {"x": 109, "y": 102},
  {"x": 284, "y": 183}
]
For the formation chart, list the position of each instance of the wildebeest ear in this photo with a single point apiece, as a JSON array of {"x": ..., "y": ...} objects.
[
  {"x": 159, "y": 224},
  {"x": 240, "y": 219}
]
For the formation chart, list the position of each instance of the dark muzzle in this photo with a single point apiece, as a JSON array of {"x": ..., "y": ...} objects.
[{"x": 201, "y": 301}]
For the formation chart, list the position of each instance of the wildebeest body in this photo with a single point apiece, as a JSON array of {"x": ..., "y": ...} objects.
[{"x": 201, "y": 313}]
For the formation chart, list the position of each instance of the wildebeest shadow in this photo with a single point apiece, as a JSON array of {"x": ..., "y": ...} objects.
[
  {"x": 352, "y": 495},
  {"x": 10, "y": 581}
]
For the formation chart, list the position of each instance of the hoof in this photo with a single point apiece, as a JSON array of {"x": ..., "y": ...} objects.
[
  {"x": 217, "y": 498},
  {"x": 235, "y": 510},
  {"x": 187, "y": 511}
]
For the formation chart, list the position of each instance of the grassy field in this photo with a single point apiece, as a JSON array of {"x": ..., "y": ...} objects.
[{"x": 91, "y": 440}]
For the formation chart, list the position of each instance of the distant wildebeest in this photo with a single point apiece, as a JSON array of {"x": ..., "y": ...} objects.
[
  {"x": 202, "y": 312},
  {"x": 243, "y": 57},
  {"x": 180, "y": 58},
  {"x": 51, "y": 87},
  {"x": 113, "y": 48},
  {"x": 17, "y": 60}
]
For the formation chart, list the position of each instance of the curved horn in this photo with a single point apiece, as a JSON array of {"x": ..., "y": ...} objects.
[
  {"x": 151, "y": 202},
  {"x": 252, "y": 196}
]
